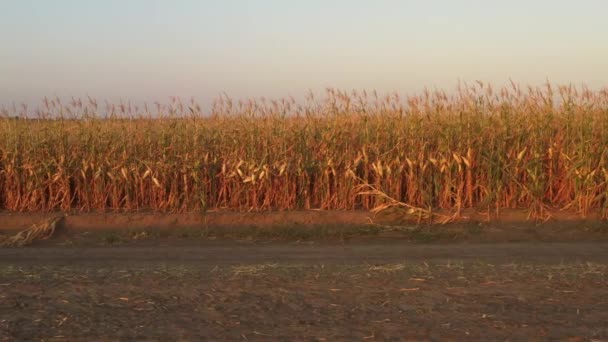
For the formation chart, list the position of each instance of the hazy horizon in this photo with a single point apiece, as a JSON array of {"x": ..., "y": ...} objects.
[{"x": 150, "y": 50}]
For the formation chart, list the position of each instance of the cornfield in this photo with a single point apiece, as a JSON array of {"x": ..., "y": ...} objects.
[{"x": 539, "y": 148}]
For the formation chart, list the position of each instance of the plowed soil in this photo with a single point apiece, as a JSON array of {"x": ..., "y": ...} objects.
[
  {"x": 304, "y": 276},
  {"x": 226, "y": 290}
]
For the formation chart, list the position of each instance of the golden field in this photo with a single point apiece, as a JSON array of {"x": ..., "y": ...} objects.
[{"x": 542, "y": 148}]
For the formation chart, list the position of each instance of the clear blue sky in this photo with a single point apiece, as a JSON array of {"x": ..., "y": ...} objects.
[{"x": 152, "y": 49}]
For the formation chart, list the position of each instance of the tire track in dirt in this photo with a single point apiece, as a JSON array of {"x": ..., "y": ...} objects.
[{"x": 352, "y": 253}]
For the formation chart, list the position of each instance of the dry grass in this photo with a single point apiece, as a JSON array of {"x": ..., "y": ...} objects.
[
  {"x": 539, "y": 148},
  {"x": 39, "y": 231},
  {"x": 253, "y": 270},
  {"x": 388, "y": 268}
]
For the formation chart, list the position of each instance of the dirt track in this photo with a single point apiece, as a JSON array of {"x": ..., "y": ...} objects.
[
  {"x": 209, "y": 254},
  {"x": 286, "y": 291}
]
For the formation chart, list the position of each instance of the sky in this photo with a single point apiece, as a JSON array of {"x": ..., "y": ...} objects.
[{"x": 149, "y": 50}]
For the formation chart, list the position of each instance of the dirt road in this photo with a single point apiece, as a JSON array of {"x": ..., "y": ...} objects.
[
  {"x": 209, "y": 253},
  {"x": 286, "y": 291}
]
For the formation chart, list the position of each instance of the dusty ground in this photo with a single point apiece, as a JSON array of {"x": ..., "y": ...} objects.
[
  {"x": 313, "y": 225},
  {"x": 304, "y": 276},
  {"x": 369, "y": 290}
]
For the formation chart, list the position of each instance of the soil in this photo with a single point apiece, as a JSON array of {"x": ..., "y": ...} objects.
[
  {"x": 306, "y": 276},
  {"x": 277, "y": 291},
  {"x": 83, "y": 229}
]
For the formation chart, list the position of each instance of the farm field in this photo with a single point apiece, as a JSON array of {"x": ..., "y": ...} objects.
[
  {"x": 304, "y": 171},
  {"x": 363, "y": 291},
  {"x": 230, "y": 281},
  {"x": 477, "y": 215},
  {"x": 539, "y": 149}
]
